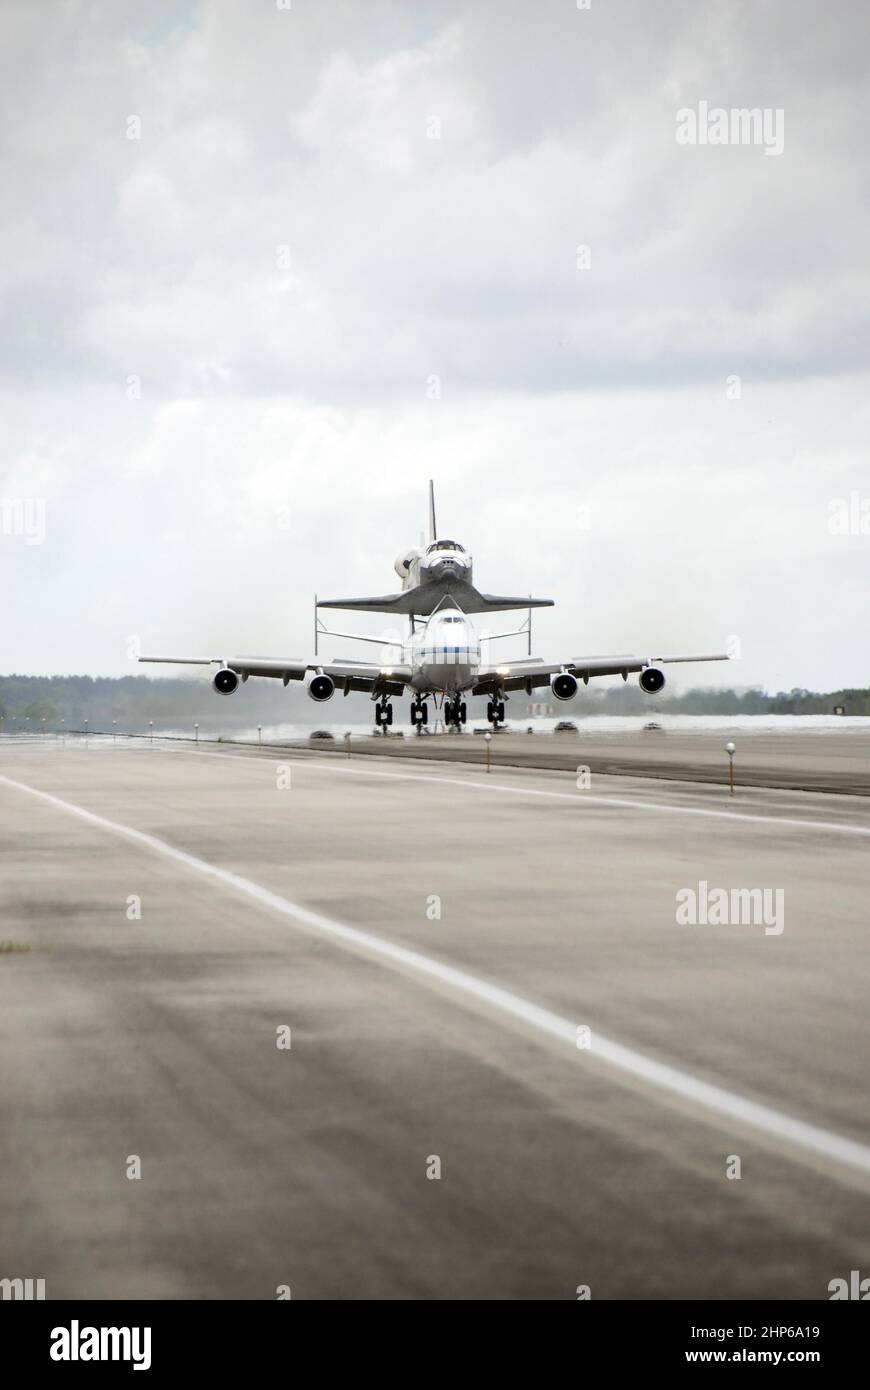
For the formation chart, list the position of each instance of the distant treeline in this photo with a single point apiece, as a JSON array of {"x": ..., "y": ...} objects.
[
  {"x": 629, "y": 699},
  {"x": 135, "y": 700}
]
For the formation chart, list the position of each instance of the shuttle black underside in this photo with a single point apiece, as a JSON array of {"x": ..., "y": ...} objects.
[{"x": 425, "y": 598}]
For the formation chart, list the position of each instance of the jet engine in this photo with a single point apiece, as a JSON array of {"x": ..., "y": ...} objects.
[
  {"x": 651, "y": 680},
  {"x": 225, "y": 681},
  {"x": 321, "y": 688},
  {"x": 564, "y": 686},
  {"x": 402, "y": 563}
]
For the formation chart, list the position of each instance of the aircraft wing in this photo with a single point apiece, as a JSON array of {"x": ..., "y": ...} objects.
[
  {"x": 528, "y": 675},
  {"x": 351, "y": 675}
]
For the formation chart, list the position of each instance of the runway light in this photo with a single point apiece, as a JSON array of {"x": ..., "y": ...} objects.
[{"x": 730, "y": 750}]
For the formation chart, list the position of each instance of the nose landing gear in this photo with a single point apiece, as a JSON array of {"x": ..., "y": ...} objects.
[{"x": 455, "y": 712}]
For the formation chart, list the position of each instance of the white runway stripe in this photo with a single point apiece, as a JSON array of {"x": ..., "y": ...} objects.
[
  {"x": 725, "y": 1104},
  {"x": 578, "y": 798}
]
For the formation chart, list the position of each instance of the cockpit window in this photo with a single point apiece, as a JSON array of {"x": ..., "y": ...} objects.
[
  {"x": 445, "y": 545},
  {"x": 451, "y": 618}
]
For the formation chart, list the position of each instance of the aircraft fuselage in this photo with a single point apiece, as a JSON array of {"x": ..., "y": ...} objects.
[{"x": 445, "y": 654}]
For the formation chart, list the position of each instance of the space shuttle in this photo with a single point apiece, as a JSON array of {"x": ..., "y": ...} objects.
[{"x": 439, "y": 574}]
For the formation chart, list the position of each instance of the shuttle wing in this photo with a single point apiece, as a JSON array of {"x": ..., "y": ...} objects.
[
  {"x": 425, "y": 598},
  {"x": 491, "y": 603},
  {"x": 381, "y": 603}
]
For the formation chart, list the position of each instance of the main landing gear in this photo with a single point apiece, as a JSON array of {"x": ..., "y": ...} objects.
[
  {"x": 383, "y": 714},
  {"x": 495, "y": 712},
  {"x": 455, "y": 712},
  {"x": 419, "y": 713}
]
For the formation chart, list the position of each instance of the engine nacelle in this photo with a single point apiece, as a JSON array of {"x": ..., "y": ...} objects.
[
  {"x": 651, "y": 680},
  {"x": 564, "y": 686},
  {"x": 225, "y": 681},
  {"x": 321, "y": 688},
  {"x": 402, "y": 563}
]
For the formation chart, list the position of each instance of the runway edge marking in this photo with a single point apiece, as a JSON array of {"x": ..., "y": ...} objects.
[
  {"x": 578, "y": 799},
  {"x": 774, "y": 1123}
]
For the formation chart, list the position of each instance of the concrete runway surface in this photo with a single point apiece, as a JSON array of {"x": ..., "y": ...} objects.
[
  {"x": 417, "y": 1037},
  {"x": 800, "y": 761}
]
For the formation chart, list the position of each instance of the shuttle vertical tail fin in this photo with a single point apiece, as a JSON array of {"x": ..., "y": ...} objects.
[{"x": 433, "y": 531}]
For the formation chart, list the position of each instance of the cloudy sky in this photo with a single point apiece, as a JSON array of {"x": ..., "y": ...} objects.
[{"x": 266, "y": 270}]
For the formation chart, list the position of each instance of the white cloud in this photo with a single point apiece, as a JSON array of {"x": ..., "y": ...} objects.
[{"x": 297, "y": 386}]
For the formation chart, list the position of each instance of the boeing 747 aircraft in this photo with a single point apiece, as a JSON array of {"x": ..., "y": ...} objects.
[{"x": 442, "y": 657}]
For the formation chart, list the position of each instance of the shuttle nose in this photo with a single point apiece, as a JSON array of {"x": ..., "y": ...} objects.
[{"x": 447, "y": 569}]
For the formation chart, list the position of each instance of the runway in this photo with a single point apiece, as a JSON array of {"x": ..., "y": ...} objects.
[
  {"x": 434, "y": 938},
  {"x": 828, "y": 762}
]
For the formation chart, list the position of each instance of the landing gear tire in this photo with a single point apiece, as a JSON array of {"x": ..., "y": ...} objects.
[
  {"x": 495, "y": 712},
  {"x": 383, "y": 715},
  {"x": 463, "y": 712}
]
